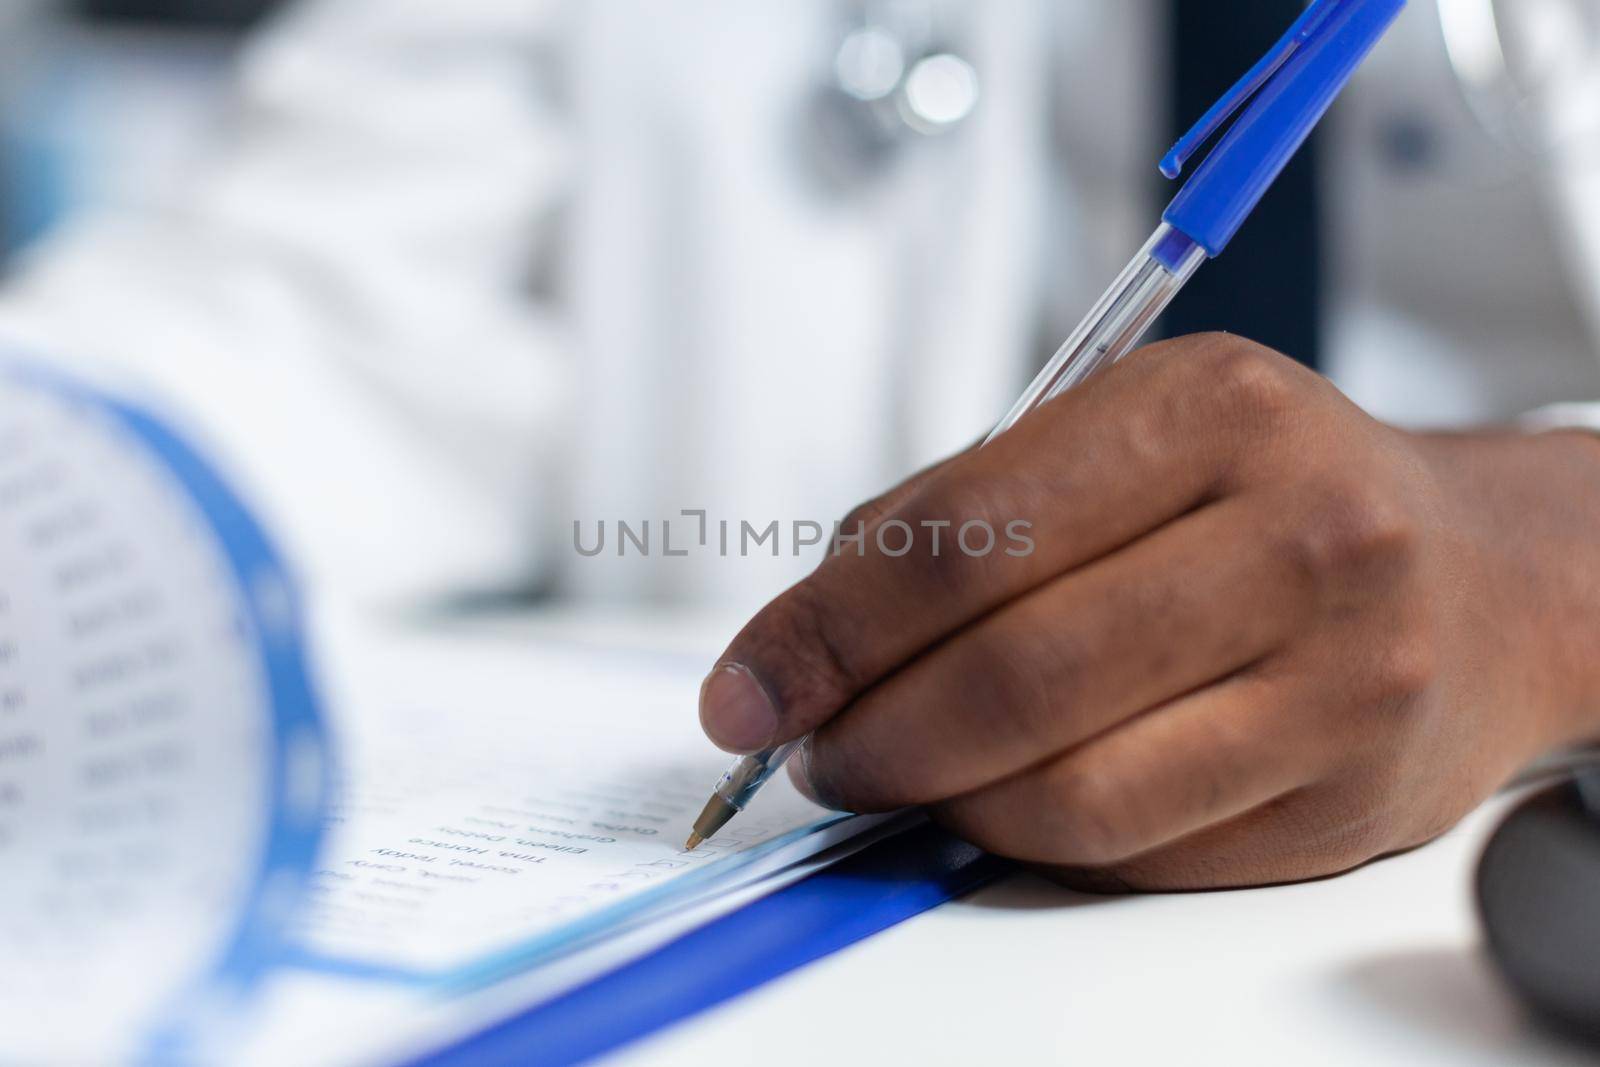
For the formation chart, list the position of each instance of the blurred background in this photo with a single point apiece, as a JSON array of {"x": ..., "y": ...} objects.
[
  {"x": 105, "y": 101},
  {"x": 440, "y": 281}
]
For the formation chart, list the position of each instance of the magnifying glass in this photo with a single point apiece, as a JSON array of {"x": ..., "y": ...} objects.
[{"x": 1529, "y": 71}]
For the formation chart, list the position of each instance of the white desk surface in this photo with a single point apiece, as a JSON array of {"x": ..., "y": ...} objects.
[{"x": 1382, "y": 965}]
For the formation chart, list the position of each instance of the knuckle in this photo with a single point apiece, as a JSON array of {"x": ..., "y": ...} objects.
[
  {"x": 1353, "y": 531},
  {"x": 864, "y": 515},
  {"x": 955, "y": 537},
  {"x": 1253, "y": 380},
  {"x": 1405, "y": 671},
  {"x": 1016, "y": 681},
  {"x": 1094, "y": 816},
  {"x": 995, "y": 695},
  {"x": 801, "y": 646},
  {"x": 1143, "y": 431}
]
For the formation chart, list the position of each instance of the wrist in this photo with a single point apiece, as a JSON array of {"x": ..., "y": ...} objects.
[{"x": 1524, "y": 512}]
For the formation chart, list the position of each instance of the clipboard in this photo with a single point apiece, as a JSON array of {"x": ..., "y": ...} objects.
[{"x": 879, "y": 887}]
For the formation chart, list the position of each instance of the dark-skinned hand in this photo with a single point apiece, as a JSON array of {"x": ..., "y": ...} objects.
[{"x": 1260, "y": 636}]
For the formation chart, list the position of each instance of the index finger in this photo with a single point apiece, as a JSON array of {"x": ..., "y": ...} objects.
[{"x": 1091, "y": 472}]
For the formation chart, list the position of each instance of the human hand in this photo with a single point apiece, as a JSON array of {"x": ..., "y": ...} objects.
[{"x": 1260, "y": 636}]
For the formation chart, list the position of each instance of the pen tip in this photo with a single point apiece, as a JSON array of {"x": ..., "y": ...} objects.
[{"x": 715, "y": 816}]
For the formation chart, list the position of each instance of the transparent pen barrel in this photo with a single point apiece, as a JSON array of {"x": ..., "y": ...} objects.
[
  {"x": 749, "y": 773},
  {"x": 1117, "y": 321}
]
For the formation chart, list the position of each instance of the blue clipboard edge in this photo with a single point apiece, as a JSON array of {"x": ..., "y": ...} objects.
[{"x": 879, "y": 887}]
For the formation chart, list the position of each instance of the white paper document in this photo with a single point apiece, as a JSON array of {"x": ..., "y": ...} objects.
[
  {"x": 506, "y": 802},
  {"x": 228, "y": 837}
]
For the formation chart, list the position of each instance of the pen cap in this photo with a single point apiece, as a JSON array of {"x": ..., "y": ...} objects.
[{"x": 1287, "y": 92}]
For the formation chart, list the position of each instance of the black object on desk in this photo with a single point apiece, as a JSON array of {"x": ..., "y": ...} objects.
[{"x": 1539, "y": 897}]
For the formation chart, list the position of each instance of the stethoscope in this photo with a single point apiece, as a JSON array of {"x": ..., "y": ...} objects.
[
  {"x": 1531, "y": 79},
  {"x": 897, "y": 78}
]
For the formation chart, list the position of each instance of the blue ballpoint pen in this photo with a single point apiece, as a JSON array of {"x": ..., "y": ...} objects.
[{"x": 1278, "y": 103}]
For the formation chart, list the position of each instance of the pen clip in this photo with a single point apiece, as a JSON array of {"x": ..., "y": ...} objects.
[
  {"x": 1274, "y": 109},
  {"x": 1304, "y": 29}
]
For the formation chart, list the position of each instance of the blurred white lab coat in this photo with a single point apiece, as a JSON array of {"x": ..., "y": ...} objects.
[{"x": 459, "y": 275}]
